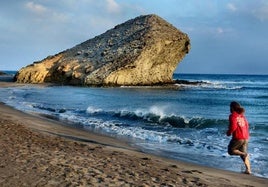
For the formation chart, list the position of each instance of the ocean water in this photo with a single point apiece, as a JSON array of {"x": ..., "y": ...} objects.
[{"x": 185, "y": 122}]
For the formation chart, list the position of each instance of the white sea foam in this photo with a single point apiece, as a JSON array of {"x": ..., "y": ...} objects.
[
  {"x": 133, "y": 132},
  {"x": 211, "y": 85},
  {"x": 158, "y": 110},
  {"x": 93, "y": 110}
]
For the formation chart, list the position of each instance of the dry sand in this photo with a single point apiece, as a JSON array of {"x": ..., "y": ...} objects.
[{"x": 36, "y": 151}]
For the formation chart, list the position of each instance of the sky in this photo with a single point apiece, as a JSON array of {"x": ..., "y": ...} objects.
[{"x": 227, "y": 36}]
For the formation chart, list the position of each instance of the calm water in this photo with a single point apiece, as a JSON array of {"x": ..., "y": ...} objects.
[{"x": 187, "y": 123}]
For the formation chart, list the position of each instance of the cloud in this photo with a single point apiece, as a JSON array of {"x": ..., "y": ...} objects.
[
  {"x": 36, "y": 8},
  {"x": 112, "y": 6},
  {"x": 220, "y": 30},
  {"x": 250, "y": 9},
  {"x": 261, "y": 12},
  {"x": 45, "y": 13},
  {"x": 231, "y": 7}
]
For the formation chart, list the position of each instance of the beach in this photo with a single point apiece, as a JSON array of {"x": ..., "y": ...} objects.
[{"x": 36, "y": 151}]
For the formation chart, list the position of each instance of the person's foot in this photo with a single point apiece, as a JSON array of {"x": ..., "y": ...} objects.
[{"x": 247, "y": 172}]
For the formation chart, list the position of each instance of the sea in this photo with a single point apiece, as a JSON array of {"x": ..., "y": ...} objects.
[{"x": 186, "y": 122}]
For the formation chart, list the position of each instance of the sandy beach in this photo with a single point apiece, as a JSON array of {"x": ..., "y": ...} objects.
[{"x": 37, "y": 151}]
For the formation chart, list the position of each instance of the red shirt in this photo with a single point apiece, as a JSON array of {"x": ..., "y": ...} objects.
[{"x": 238, "y": 126}]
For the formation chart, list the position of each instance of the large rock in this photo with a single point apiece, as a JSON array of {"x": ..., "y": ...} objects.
[
  {"x": 142, "y": 51},
  {"x": 2, "y": 73}
]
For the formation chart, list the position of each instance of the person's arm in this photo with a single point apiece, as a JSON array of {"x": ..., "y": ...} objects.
[{"x": 232, "y": 125}]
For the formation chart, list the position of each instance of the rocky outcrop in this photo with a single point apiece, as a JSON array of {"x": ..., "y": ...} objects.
[
  {"x": 2, "y": 73},
  {"x": 142, "y": 51}
]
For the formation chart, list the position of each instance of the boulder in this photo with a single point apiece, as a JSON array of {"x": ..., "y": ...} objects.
[
  {"x": 142, "y": 51},
  {"x": 2, "y": 73}
]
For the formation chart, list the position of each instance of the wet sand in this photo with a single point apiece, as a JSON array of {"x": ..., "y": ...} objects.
[{"x": 36, "y": 151}]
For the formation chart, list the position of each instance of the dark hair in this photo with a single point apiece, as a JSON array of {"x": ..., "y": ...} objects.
[{"x": 235, "y": 106}]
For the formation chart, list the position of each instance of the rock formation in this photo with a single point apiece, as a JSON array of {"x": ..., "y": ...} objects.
[
  {"x": 2, "y": 73},
  {"x": 142, "y": 51}
]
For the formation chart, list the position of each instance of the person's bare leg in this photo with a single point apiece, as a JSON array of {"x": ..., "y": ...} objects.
[
  {"x": 247, "y": 164},
  {"x": 237, "y": 152},
  {"x": 245, "y": 158}
]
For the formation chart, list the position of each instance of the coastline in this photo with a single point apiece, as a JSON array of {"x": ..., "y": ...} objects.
[{"x": 42, "y": 152}]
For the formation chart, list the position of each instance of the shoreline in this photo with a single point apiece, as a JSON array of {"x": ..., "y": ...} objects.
[{"x": 42, "y": 152}]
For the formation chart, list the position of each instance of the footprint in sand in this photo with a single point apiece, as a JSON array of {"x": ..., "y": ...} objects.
[{"x": 191, "y": 171}]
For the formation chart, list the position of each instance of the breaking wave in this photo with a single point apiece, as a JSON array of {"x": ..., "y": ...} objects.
[
  {"x": 206, "y": 84},
  {"x": 157, "y": 116}
]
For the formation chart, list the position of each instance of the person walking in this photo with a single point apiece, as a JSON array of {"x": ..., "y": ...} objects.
[{"x": 239, "y": 129}]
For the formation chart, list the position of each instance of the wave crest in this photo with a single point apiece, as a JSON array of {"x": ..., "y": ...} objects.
[{"x": 156, "y": 115}]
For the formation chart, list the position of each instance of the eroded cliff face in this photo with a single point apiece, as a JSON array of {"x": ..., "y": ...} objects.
[{"x": 142, "y": 51}]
